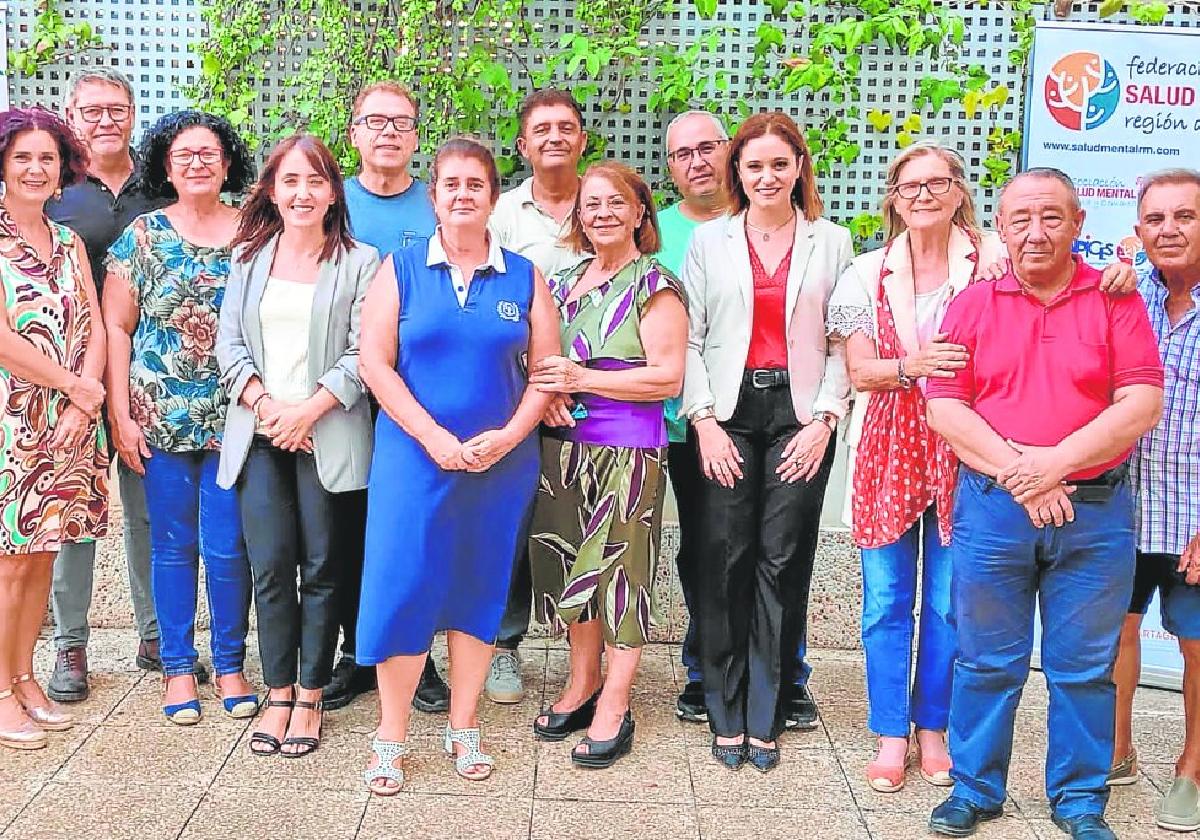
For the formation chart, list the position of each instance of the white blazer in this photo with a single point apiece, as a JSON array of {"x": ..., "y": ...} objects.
[
  {"x": 858, "y": 287},
  {"x": 720, "y": 288}
]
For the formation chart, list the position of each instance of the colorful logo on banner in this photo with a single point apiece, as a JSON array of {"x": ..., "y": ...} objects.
[{"x": 1082, "y": 91}]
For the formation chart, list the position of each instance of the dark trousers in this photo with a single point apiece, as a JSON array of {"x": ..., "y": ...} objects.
[
  {"x": 349, "y": 536},
  {"x": 755, "y": 570},
  {"x": 288, "y": 520},
  {"x": 687, "y": 480}
]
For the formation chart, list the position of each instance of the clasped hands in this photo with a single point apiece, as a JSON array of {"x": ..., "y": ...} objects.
[
  {"x": 479, "y": 454},
  {"x": 1035, "y": 480},
  {"x": 288, "y": 425}
]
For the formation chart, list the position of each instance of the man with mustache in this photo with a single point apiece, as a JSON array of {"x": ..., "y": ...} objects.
[
  {"x": 99, "y": 107},
  {"x": 532, "y": 219},
  {"x": 1166, "y": 474},
  {"x": 1060, "y": 383},
  {"x": 389, "y": 209}
]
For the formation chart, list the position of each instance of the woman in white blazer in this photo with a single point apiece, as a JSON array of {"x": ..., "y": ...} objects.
[
  {"x": 763, "y": 391},
  {"x": 885, "y": 310},
  {"x": 299, "y": 425}
]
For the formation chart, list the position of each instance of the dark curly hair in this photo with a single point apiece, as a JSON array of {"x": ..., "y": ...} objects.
[
  {"x": 157, "y": 143},
  {"x": 72, "y": 154}
]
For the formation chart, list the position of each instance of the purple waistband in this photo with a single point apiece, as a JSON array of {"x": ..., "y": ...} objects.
[{"x": 617, "y": 422}]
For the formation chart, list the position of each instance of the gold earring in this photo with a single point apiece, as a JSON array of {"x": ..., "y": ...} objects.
[{"x": 58, "y": 193}]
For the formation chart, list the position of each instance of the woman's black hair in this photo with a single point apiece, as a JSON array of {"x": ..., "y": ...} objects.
[{"x": 157, "y": 144}]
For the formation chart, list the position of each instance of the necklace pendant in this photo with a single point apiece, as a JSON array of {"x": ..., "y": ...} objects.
[{"x": 766, "y": 237}]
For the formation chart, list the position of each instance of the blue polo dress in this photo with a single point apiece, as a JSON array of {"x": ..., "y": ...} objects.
[{"x": 440, "y": 545}]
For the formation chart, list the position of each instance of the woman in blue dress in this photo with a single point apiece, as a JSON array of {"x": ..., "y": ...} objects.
[{"x": 449, "y": 325}]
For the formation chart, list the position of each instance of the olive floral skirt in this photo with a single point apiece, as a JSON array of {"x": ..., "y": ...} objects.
[{"x": 593, "y": 545}]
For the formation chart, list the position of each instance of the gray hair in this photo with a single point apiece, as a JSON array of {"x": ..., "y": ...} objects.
[
  {"x": 717, "y": 124},
  {"x": 1178, "y": 175},
  {"x": 104, "y": 75},
  {"x": 1048, "y": 172}
]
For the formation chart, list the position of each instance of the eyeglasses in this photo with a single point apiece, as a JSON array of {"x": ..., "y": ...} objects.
[
  {"x": 183, "y": 157},
  {"x": 378, "y": 122},
  {"x": 684, "y": 153},
  {"x": 909, "y": 190},
  {"x": 592, "y": 207},
  {"x": 95, "y": 113}
]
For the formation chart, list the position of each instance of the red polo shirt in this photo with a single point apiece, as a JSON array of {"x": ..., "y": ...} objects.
[{"x": 1039, "y": 372}]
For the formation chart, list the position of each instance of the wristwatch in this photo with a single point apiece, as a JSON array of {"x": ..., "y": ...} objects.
[
  {"x": 701, "y": 414},
  {"x": 828, "y": 418},
  {"x": 903, "y": 378}
]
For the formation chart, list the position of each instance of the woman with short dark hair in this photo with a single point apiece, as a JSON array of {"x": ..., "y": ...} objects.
[
  {"x": 166, "y": 281},
  {"x": 53, "y": 459},
  {"x": 298, "y": 430}
]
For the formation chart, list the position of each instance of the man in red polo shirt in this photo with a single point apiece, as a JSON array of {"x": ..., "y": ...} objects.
[{"x": 1062, "y": 380}]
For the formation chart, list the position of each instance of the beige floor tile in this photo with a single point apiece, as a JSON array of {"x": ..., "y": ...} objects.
[
  {"x": 838, "y": 683},
  {"x": 1158, "y": 738},
  {"x": 652, "y": 772},
  {"x": 39, "y": 765},
  {"x": 803, "y": 778},
  {"x": 557, "y": 820},
  {"x": 236, "y": 812},
  {"x": 14, "y": 796},
  {"x": 917, "y": 795},
  {"x": 1027, "y": 782},
  {"x": 901, "y": 825},
  {"x": 418, "y": 816},
  {"x": 142, "y": 707},
  {"x": 720, "y": 823},
  {"x": 336, "y": 765},
  {"x": 187, "y": 755},
  {"x": 1159, "y": 775},
  {"x": 1044, "y": 829},
  {"x": 106, "y": 810},
  {"x": 106, "y": 689},
  {"x": 429, "y": 770}
]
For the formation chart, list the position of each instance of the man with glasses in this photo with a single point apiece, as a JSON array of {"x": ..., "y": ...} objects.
[
  {"x": 389, "y": 209},
  {"x": 99, "y": 107},
  {"x": 531, "y": 219}
]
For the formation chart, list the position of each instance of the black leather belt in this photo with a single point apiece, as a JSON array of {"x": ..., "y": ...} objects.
[
  {"x": 1108, "y": 478},
  {"x": 768, "y": 378}
]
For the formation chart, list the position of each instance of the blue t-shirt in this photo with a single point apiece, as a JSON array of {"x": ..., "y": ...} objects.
[
  {"x": 390, "y": 222},
  {"x": 676, "y": 230}
]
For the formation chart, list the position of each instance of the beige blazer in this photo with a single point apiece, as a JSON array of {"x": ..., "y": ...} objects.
[
  {"x": 858, "y": 287},
  {"x": 720, "y": 288},
  {"x": 342, "y": 439}
]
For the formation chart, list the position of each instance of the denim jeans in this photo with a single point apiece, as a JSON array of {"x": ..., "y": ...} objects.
[
  {"x": 71, "y": 596},
  {"x": 889, "y": 595},
  {"x": 1082, "y": 576},
  {"x": 190, "y": 517}
]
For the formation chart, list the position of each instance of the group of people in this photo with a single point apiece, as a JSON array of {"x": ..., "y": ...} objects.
[{"x": 382, "y": 409}]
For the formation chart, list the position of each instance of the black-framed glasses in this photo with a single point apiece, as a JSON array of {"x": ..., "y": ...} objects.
[
  {"x": 909, "y": 190},
  {"x": 95, "y": 113},
  {"x": 378, "y": 122},
  {"x": 183, "y": 157},
  {"x": 684, "y": 153}
]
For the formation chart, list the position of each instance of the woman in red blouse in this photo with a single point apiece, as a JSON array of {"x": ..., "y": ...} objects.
[{"x": 764, "y": 392}]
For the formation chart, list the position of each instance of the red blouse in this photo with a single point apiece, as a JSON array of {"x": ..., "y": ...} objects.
[{"x": 768, "y": 332}]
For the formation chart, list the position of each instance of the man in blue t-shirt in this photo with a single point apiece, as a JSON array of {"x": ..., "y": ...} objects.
[{"x": 389, "y": 209}]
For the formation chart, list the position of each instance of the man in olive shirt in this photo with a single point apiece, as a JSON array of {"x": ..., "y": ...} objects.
[{"x": 99, "y": 106}]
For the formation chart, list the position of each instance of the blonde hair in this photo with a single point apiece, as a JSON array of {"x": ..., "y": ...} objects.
[{"x": 964, "y": 217}]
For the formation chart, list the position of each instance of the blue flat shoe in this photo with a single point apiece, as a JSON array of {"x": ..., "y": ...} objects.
[{"x": 186, "y": 713}]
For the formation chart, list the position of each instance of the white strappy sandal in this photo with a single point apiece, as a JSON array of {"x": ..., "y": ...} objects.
[
  {"x": 469, "y": 738},
  {"x": 387, "y": 752}
]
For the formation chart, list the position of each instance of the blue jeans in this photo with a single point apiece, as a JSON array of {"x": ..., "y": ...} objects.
[
  {"x": 191, "y": 517},
  {"x": 889, "y": 595},
  {"x": 1082, "y": 576}
]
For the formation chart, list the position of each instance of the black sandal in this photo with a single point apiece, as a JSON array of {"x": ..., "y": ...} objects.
[
  {"x": 561, "y": 724},
  {"x": 602, "y": 754},
  {"x": 304, "y": 741},
  {"x": 267, "y": 738},
  {"x": 730, "y": 756}
]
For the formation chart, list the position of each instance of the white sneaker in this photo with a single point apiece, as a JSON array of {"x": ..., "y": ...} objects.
[{"x": 504, "y": 678}]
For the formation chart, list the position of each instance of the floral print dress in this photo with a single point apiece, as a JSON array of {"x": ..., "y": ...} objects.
[
  {"x": 47, "y": 497},
  {"x": 175, "y": 393},
  {"x": 597, "y": 520}
]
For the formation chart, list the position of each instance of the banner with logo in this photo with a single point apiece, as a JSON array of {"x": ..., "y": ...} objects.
[{"x": 1107, "y": 105}]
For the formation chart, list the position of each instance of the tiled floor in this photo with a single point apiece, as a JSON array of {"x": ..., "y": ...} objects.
[{"x": 125, "y": 772}]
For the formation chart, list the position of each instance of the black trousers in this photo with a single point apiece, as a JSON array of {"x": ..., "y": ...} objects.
[
  {"x": 349, "y": 544},
  {"x": 287, "y": 518},
  {"x": 687, "y": 480},
  {"x": 760, "y": 539}
]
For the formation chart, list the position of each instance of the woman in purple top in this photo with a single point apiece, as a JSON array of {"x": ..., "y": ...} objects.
[{"x": 596, "y": 521}]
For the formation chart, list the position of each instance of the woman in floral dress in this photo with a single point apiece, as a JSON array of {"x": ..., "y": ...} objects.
[
  {"x": 52, "y": 455},
  {"x": 596, "y": 525},
  {"x": 166, "y": 279}
]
